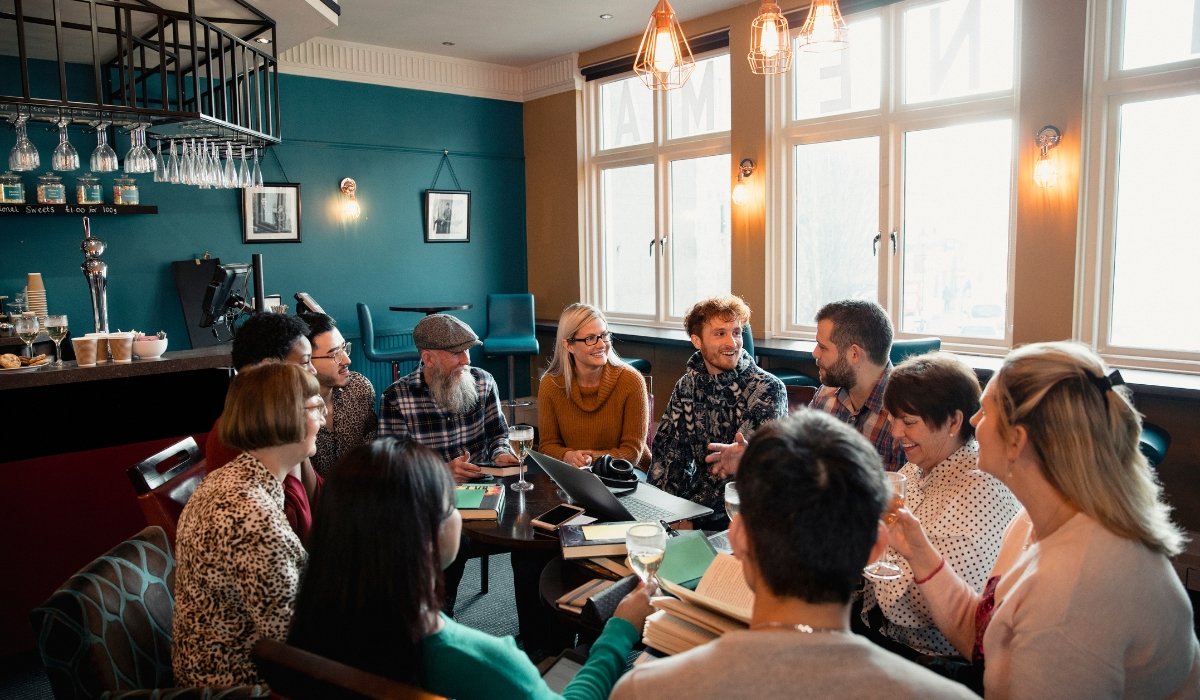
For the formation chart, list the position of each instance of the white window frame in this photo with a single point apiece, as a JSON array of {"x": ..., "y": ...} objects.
[
  {"x": 888, "y": 122},
  {"x": 1109, "y": 88},
  {"x": 659, "y": 152}
]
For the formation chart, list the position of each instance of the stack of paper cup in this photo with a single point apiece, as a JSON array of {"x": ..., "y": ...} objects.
[{"x": 35, "y": 295}]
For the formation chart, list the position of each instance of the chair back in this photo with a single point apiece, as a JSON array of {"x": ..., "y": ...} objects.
[
  {"x": 108, "y": 627},
  {"x": 366, "y": 329},
  {"x": 510, "y": 329},
  {"x": 908, "y": 347},
  {"x": 171, "y": 461},
  {"x": 166, "y": 481},
  {"x": 799, "y": 396},
  {"x": 1155, "y": 441},
  {"x": 296, "y": 674},
  {"x": 748, "y": 341}
]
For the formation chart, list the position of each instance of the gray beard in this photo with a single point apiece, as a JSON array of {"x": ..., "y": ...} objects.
[{"x": 454, "y": 393}]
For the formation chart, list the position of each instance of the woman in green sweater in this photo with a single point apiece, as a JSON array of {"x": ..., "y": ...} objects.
[
  {"x": 371, "y": 596},
  {"x": 590, "y": 403}
]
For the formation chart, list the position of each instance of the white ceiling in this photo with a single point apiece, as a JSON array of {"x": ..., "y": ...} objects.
[{"x": 515, "y": 33}]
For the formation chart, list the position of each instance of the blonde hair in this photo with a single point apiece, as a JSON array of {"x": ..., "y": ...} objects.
[
  {"x": 1086, "y": 435},
  {"x": 265, "y": 406},
  {"x": 574, "y": 317}
]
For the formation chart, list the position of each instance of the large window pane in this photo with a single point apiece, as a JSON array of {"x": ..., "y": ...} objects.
[
  {"x": 1162, "y": 31},
  {"x": 957, "y": 184},
  {"x": 701, "y": 106},
  {"x": 700, "y": 246},
  {"x": 837, "y": 82},
  {"x": 837, "y": 215},
  {"x": 958, "y": 47},
  {"x": 626, "y": 114},
  {"x": 627, "y": 203},
  {"x": 1154, "y": 268}
]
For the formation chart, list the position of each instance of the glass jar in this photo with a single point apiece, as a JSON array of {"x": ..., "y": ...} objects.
[
  {"x": 125, "y": 191},
  {"x": 12, "y": 190},
  {"x": 50, "y": 190},
  {"x": 87, "y": 189}
]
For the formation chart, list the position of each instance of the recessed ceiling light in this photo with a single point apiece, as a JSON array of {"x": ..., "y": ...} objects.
[
  {"x": 262, "y": 40},
  {"x": 605, "y": 16},
  {"x": 447, "y": 43}
]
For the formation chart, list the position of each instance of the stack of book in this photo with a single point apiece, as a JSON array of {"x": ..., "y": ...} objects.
[
  {"x": 721, "y": 602},
  {"x": 593, "y": 540}
]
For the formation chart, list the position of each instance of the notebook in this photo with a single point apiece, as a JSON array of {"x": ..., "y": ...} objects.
[{"x": 645, "y": 502}]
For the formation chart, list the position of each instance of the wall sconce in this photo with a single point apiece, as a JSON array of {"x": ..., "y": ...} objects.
[
  {"x": 1045, "y": 173},
  {"x": 664, "y": 59},
  {"x": 350, "y": 208},
  {"x": 770, "y": 42},
  {"x": 741, "y": 193},
  {"x": 825, "y": 29}
]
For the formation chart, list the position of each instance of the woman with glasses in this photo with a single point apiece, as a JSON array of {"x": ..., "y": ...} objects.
[
  {"x": 349, "y": 395},
  {"x": 238, "y": 561},
  {"x": 590, "y": 402}
]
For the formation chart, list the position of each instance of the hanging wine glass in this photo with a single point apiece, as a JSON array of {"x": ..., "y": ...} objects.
[
  {"x": 65, "y": 156},
  {"x": 24, "y": 155},
  {"x": 214, "y": 166},
  {"x": 104, "y": 158},
  {"x": 244, "y": 178},
  {"x": 160, "y": 163},
  {"x": 187, "y": 167},
  {"x": 173, "y": 165},
  {"x": 139, "y": 159},
  {"x": 230, "y": 177},
  {"x": 258, "y": 180}
]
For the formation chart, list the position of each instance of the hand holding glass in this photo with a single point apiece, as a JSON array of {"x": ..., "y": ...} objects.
[
  {"x": 882, "y": 568},
  {"x": 646, "y": 543},
  {"x": 520, "y": 438}
]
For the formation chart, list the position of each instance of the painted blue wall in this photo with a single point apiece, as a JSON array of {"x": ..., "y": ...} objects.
[{"x": 389, "y": 140}]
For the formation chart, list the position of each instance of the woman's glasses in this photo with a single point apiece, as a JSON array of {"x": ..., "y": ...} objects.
[{"x": 590, "y": 340}]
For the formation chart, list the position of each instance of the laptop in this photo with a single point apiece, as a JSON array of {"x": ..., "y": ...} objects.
[{"x": 645, "y": 502}]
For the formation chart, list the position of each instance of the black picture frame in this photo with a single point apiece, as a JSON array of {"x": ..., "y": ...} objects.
[
  {"x": 271, "y": 213},
  {"x": 447, "y": 216}
]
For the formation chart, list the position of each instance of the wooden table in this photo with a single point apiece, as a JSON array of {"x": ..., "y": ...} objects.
[
  {"x": 513, "y": 530},
  {"x": 431, "y": 307}
]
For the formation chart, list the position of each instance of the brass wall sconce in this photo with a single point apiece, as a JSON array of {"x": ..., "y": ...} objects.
[
  {"x": 741, "y": 193},
  {"x": 1045, "y": 172},
  {"x": 350, "y": 208}
]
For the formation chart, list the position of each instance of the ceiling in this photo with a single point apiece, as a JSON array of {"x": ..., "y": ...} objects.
[{"x": 515, "y": 33}]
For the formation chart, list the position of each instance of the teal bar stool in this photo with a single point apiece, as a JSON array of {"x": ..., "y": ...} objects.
[
  {"x": 1154, "y": 443},
  {"x": 908, "y": 347},
  {"x": 510, "y": 333},
  {"x": 367, "y": 330}
]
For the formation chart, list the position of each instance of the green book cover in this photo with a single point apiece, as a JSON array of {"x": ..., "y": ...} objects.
[
  {"x": 469, "y": 495},
  {"x": 687, "y": 557}
]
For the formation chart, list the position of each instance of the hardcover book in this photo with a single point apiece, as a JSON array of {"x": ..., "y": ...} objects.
[
  {"x": 721, "y": 602},
  {"x": 479, "y": 501},
  {"x": 493, "y": 469},
  {"x": 594, "y": 540}
]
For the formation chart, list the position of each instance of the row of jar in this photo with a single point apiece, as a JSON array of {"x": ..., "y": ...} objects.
[{"x": 51, "y": 190}]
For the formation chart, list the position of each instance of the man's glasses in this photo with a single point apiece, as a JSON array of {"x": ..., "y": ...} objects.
[
  {"x": 341, "y": 351},
  {"x": 590, "y": 340}
]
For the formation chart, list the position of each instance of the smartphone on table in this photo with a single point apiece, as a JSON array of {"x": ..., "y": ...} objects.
[{"x": 559, "y": 514}]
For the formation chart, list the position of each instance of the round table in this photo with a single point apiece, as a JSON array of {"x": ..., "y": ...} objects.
[
  {"x": 431, "y": 307},
  {"x": 513, "y": 530}
]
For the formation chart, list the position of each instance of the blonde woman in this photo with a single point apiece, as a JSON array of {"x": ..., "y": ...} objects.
[
  {"x": 590, "y": 403},
  {"x": 1083, "y": 601}
]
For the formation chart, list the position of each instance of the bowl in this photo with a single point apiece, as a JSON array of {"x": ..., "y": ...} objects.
[{"x": 149, "y": 347}]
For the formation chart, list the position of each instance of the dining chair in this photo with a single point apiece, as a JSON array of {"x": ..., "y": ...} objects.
[
  {"x": 296, "y": 674},
  {"x": 366, "y": 329},
  {"x": 166, "y": 480},
  {"x": 789, "y": 376},
  {"x": 510, "y": 333},
  {"x": 907, "y": 347}
]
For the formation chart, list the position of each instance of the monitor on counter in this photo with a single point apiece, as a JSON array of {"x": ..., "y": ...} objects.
[{"x": 227, "y": 292}]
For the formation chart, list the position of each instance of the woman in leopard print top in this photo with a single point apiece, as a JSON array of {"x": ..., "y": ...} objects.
[{"x": 238, "y": 560}]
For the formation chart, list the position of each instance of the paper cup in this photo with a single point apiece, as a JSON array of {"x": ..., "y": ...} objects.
[
  {"x": 85, "y": 351},
  {"x": 101, "y": 345},
  {"x": 120, "y": 346}
]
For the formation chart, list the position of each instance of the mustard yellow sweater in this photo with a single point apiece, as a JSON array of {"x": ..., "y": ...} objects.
[{"x": 605, "y": 419}]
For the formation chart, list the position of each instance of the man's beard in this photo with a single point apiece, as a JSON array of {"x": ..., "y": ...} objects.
[
  {"x": 454, "y": 392},
  {"x": 840, "y": 374}
]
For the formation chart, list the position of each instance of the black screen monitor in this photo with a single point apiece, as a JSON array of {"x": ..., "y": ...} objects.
[{"x": 226, "y": 292}]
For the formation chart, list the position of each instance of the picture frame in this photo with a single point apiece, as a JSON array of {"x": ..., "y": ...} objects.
[
  {"x": 271, "y": 213},
  {"x": 447, "y": 216}
]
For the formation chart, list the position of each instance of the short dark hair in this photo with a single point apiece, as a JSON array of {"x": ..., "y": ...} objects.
[
  {"x": 727, "y": 307},
  {"x": 265, "y": 336},
  {"x": 265, "y": 406},
  {"x": 374, "y": 568},
  {"x": 932, "y": 387},
  {"x": 862, "y": 323},
  {"x": 812, "y": 490},
  {"x": 317, "y": 323}
]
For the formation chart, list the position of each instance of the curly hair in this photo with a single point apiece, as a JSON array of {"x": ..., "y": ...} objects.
[{"x": 726, "y": 307}]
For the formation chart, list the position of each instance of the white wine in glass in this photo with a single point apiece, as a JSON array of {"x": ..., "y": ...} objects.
[
  {"x": 520, "y": 438},
  {"x": 27, "y": 330},
  {"x": 646, "y": 544},
  {"x": 883, "y": 569},
  {"x": 56, "y": 328},
  {"x": 733, "y": 502}
]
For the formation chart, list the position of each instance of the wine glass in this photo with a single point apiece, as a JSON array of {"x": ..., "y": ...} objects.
[
  {"x": 139, "y": 159},
  {"x": 883, "y": 569},
  {"x": 257, "y": 176},
  {"x": 173, "y": 175},
  {"x": 104, "y": 158},
  {"x": 160, "y": 163},
  {"x": 65, "y": 156},
  {"x": 27, "y": 329},
  {"x": 646, "y": 543},
  {"x": 244, "y": 179},
  {"x": 24, "y": 155},
  {"x": 56, "y": 328},
  {"x": 733, "y": 501},
  {"x": 520, "y": 438}
]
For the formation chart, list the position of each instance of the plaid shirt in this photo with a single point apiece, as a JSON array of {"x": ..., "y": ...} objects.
[
  {"x": 409, "y": 412},
  {"x": 871, "y": 420}
]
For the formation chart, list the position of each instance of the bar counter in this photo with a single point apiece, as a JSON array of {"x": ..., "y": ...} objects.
[{"x": 216, "y": 357}]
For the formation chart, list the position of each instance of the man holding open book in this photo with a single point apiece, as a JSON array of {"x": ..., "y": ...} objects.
[{"x": 812, "y": 493}]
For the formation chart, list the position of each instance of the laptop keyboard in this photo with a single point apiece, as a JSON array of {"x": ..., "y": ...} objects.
[{"x": 640, "y": 510}]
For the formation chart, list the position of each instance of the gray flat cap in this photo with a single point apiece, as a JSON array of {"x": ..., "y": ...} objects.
[{"x": 444, "y": 332}]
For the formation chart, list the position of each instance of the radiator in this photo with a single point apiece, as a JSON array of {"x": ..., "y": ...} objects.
[{"x": 380, "y": 373}]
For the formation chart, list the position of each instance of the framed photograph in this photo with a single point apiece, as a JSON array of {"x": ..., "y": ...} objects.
[
  {"x": 271, "y": 213},
  {"x": 447, "y": 216}
]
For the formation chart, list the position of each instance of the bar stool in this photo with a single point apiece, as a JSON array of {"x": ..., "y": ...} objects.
[
  {"x": 367, "y": 330},
  {"x": 510, "y": 333},
  {"x": 902, "y": 349}
]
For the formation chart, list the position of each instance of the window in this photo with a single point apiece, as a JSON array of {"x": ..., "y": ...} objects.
[
  {"x": 658, "y": 200},
  {"x": 898, "y": 185},
  {"x": 1141, "y": 206}
]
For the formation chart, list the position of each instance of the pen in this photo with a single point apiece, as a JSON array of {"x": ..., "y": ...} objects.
[{"x": 670, "y": 530}]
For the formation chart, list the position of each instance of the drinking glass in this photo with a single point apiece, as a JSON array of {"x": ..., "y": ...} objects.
[
  {"x": 520, "y": 438},
  {"x": 27, "y": 329},
  {"x": 883, "y": 569},
  {"x": 56, "y": 328},
  {"x": 24, "y": 155},
  {"x": 139, "y": 159},
  {"x": 104, "y": 158},
  {"x": 229, "y": 176},
  {"x": 646, "y": 543},
  {"x": 65, "y": 156},
  {"x": 733, "y": 502},
  {"x": 173, "y": 166},
  {"x": 257, "y": 176},
  {"x": 244, "y": 178},
  {"x": 160, "y": 163}
]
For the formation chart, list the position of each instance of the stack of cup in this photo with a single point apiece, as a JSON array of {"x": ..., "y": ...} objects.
[
  {"x": 35, "y": 295},
  {"x": 101, "y": 345},
  {"x": 85, "y": 350}
]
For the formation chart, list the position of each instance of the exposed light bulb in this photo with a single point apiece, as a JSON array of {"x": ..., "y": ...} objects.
[
  {"x": 823, "y": 26},
  {"x": 740, "y": 193},
  {"x": 770, "y": 39},
  {"x": 664, "y": 51},
  {"x": 1045, "y": 173}
]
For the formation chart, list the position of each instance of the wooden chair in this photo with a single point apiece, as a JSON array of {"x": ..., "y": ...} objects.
[
  {"x": 165, "y": 482},
  {"x": 295, "y": 674}
]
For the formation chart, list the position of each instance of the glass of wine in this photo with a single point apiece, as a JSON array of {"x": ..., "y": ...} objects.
[
  {"x": 646, "y": 543},
  {"x": 733, "y": 502},
  {"x": 883, "y": 569},
  {"x": 56, "y": 328},
  {"x": 27, "y": 329},
  {"x": 520, "y": 438}
]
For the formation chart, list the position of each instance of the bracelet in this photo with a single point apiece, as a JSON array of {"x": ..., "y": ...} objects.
[{"x": 936, "y": 569}]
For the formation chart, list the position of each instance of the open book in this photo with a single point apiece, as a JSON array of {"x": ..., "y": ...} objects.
[{"x": 721, "y": 602}]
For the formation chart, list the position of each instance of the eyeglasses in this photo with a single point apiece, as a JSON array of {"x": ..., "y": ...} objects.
[
  {"x": 317, "y": 411},
  {"x": 342, "y": 350},
  {"x": 590, "y": 340}
]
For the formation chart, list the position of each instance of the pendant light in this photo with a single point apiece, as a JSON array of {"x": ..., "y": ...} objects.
[
  {"x": 824, "y": 30},
  {"x": 770, "y": 43},
  {"x": 664, "y": 59}
]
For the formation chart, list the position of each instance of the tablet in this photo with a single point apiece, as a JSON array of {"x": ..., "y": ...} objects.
[{"x": 564, "y": 668}]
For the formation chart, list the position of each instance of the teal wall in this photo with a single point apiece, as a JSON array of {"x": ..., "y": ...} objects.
[{"x": 389, "y": 140}]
